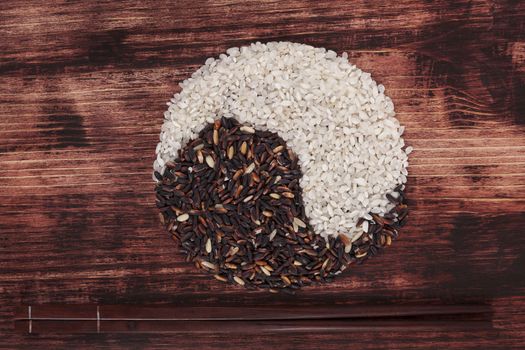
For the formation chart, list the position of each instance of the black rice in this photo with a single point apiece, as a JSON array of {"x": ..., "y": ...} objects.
[{"x": 232, "y": 200}]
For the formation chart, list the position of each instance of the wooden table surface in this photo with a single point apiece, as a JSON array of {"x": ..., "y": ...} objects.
[{"x": 83, "y": 87}]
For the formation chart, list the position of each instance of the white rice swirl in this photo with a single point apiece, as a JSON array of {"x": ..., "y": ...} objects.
[{"x": 332, "y": 114}]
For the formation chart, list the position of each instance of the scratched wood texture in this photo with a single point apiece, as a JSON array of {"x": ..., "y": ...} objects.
[{"x": 83, "y": 86}]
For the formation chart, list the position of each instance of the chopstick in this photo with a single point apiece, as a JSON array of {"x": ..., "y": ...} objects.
[{"x": 184, "y": 319}]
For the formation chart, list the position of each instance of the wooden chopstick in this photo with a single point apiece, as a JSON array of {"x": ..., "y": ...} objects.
[{"x": 183, "y": 319}]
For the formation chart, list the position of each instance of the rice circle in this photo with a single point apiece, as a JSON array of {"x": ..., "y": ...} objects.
[{"x": 333, "y": 115}]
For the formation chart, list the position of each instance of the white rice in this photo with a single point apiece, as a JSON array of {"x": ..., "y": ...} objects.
[{"x": 332, "y": 114}]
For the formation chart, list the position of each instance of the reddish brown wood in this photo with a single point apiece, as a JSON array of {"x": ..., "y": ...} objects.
[{"x": 83, "y": 89}]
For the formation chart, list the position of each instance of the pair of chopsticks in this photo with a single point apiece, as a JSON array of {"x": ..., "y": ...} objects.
[{"x": 44, "y": 319}]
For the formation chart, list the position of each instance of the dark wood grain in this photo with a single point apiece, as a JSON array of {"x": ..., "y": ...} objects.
[{"x": 83, "y": 89}]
